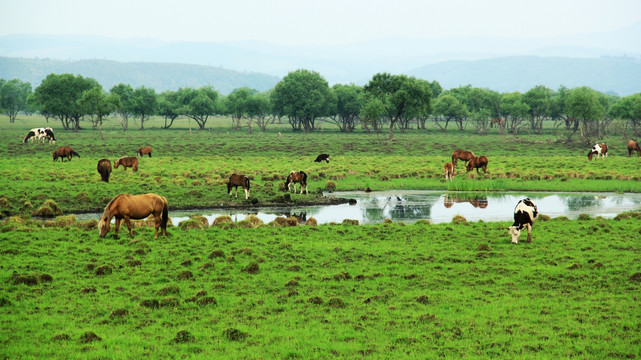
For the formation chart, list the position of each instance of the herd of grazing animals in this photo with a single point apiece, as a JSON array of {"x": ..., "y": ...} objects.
[{"x": 126, "y": 207}]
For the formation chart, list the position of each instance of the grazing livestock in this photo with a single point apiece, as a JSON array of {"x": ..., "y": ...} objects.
[
  {"x": 598, "y": 150},
  {"x": 127, "y": 161},
  {"x": 236, "y": 181},
  {"x": 633, "y": 146},
  {"x": 43, "y": 134},
  {"x": 104, "y": 169},
  {"x": 127, "y": 207},
  {"x": 475, "y": 200},
  {"x": 322, "y": 157},
  {"x": 64, "y": 152},
  {"x": 477, "y": 162},
  {"x": 144, "y": 151},
  {"x": 449, "y": 171},
  {"x": 525, "y": 213},
  {"x": 296, "y": 177},
  {"x": 499, "y": 122},
  {"x": 462, "y": 155}
]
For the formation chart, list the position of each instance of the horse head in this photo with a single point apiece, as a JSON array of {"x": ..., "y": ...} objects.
[{"x": 104, "y": 224}]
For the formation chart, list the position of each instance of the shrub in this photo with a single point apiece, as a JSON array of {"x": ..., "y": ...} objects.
[{"x": 330, "y": 185}]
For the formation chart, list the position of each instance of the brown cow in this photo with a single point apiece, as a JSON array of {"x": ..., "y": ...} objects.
[
  {"x": 104, "y": 169},
  {"x": 127, "y": 161},
  {"x": 632, "y": 146},
  {"x": 449, "y": 171},
  {"x": 64, "y": 152},
  {"x": 477, "y": 162},
  {"x": 144, "y": 151},
  {"x": 463, "y": 155}
]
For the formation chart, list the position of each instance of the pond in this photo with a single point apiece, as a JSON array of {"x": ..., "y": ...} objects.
[{"x": 437, "y": 206}]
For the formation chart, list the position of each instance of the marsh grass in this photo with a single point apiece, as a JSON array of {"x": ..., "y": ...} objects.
[{"x": 347, "y": 291}]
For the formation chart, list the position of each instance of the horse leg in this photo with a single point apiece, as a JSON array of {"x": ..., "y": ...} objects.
[
  {"x": 301, "y": 188},
  {"x": 246, "y": 193},
  {"x": 157, "y": 222},
  {"x": 117, "y": 227},
  {"x": 128, "y": 222}
]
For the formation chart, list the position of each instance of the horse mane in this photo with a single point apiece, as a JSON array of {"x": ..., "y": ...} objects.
[{"x": 111, "y": 202}]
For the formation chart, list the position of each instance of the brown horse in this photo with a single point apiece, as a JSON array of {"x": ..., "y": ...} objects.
[
  {"x": 296, "y": 177},
  {"x": 127, "y": 207},
  {"x": 598, "y": 150},
  {"x": 462, "y": 155},
  {"x": 64, "y": 152},
  {"x": 476, "y": 200},
  {"x": 632, "y": 146},
  {"x": 449, "y": 171},
  {"x": 144, "y": 151},
  {"x": 127, "y": 161},
  {"x": 104, "y": 169},
  {"x": 236, "y": 181},
  {"x": 476, "y": 163},
  {"x": 499, "y": 122}
]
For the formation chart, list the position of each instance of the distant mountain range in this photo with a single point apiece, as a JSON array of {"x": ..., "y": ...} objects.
[{"x": 607, "y": 62}]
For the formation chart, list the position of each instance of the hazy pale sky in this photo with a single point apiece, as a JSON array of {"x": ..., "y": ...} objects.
[{"x": 295, "y": 22}]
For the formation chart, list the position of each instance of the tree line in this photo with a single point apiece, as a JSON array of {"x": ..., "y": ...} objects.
[{"x": 304, "y": 99}]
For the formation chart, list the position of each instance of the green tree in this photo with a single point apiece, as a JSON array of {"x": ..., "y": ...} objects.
[
  {"x": 58, "y": 95},
  {"x": 538, "y": 100},
  {"x": 303, "y": 96},
  {"x": 629, "y": 108},
  {"x": 349, "y": 104},
  {"x": 198, "y": 104},
  {"x": 144, "y": 104},
  {"x": 587, "y": 106},
  {"x": 514, "y": 110},
  {"x": 13, "y": 97},
  {"x": 447, "y": 108},
  {"x": 98, "y": 104},
  {"x": 400, "y": 95},
  {"x": 125, "y": 109},
  {"x": 168, "y": 107},
  {"x": 258, "y": 109},
  {"x": 236, "y": 105}
]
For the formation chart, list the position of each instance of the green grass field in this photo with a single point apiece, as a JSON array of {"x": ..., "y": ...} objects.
[{"x": 385, "y": 291}]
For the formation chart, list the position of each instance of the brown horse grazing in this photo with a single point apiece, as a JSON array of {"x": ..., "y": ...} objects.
[
  {"x": 449, "y": 171},
  {"x": 477, "y": 162},
  {"x": 64, "y": 152},
  {"x": 296, "y": 177},
  {"x": 598, "y": 150},
  {"x": 104, "y": 169},
  {"x": 127, "y": 207},
  {"x": 236, "y": 181},
  {"x": 127, "y": 161},
  {"x": 144, "y": 151},
  {"x": 462, "y": 155},
  {"x": 476, "y": 200},
  {"x": 632, "y": 146},
  {"x": 499, "y": 122}
]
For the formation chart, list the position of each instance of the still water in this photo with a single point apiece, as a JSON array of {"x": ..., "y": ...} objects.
[{"x": 436, "y": 206}]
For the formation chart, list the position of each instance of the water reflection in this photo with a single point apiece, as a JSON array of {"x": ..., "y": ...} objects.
[{"x": 438, "y": 207}]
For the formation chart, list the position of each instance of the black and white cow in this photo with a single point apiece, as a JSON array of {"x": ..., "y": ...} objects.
[
  {"x": 322, "y": 157},
  {"x": 525, "y": 213},
  {"x": 37, "y": 134}
]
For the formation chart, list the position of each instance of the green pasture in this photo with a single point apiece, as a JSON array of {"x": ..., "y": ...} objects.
[
  {"x": 384, "y": 291},
  {"x": 191, "y": 168}
]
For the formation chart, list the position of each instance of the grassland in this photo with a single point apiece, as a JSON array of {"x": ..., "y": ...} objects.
[{"x": 385, "y": 291}]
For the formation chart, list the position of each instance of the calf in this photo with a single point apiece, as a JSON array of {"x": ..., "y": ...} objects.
[
  {"x": 322, "y": 157},
  {"x": 525, "y": 213},
  {"x": 598, "y": 150},
  {"x": 449, "y": 171}
]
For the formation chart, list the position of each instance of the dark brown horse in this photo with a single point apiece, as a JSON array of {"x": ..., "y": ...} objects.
[
  {"x": 127, "y": 161},
  {"x": 236, "y": 181},
  {"x": 127, "y": 207},
  {"x": 144, "y": 151},
  {"x": 462, "y": 155},
  {"x": 476, "y": 163},
  {"x": 296, "y": 177},
  {"x": 633, "y": 146},
  {"x": 104, "y": 169},
  {"x": 64, "y": 152}
]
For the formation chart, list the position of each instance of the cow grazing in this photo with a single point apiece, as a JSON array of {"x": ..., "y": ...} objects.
[
  {"x": 476, "y": 163},
  {"x": 633, "y": 146},
  {"x": 462, "y": 155},
  {"x": 236, "y": 181},
  {"x": 525, "y": 213},
  {"x": 64, "y": 152},
  {"x": 322, "y": 157},
  {"x": 104, "y": 169},
  {"x": 43, "y": 134},
  {"x": 598, "y": 150},
  {"x": 449, "y": 171}
]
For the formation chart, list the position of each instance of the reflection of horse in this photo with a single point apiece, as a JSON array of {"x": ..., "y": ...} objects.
[
  {"x": 296, "y": 177},
  {"x": 301, "y": 217},
  {"x": 476, "y": 163},
  {"x": 236, "y": 181},
  {"x": 449, "y": 171},
  {"x": 462, "y": 155},
  {"x": 475, "y": 200},
  {"x": 144, "y": 151},
  {"x": 633, "y": 146},
  {"x": 104, "y": 169},
  {"x": 127, "y": 207},
  {"x": 499, "y": 122},
  {"x": 43, "y": 134},
  {"x": 64, "y": 152},
  {"x": 598, "y": 150},
  {"x": 127, "y": 161}
]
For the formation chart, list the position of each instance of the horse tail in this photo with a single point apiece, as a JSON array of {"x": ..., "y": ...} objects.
[
  {"x": 247, "y": 182},
  {"x": 304, "y": 177},
  {"x": 165, "y": 214},
  {"x": 73, "y": 153}
]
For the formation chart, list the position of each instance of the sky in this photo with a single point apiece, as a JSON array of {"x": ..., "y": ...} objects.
[{"x": 325, "y": 22}]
